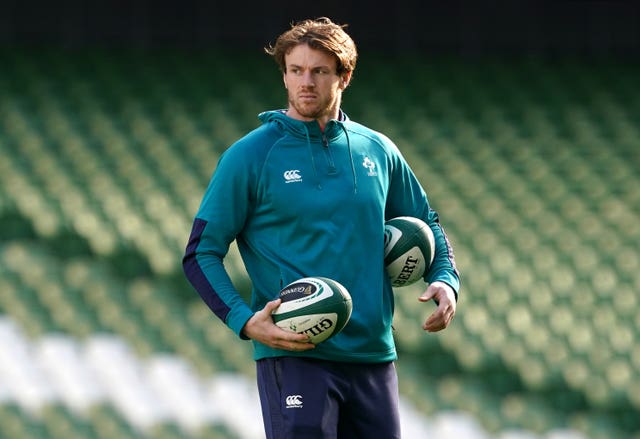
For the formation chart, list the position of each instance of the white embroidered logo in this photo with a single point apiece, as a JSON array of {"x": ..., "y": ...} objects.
[
  {"x": 294, "y": 401},
  {"x": 292, "y": 176},
  {"x": 367, "y": 163}
]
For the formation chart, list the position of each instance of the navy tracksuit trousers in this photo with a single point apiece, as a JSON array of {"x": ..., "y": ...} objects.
[{"x": 305, "y": 398}]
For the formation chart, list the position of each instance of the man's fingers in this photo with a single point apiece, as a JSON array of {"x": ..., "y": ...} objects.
[
  {"x": 272, "y": 305},
  {"x": 440, "y": 319},
  {"x": 292, "y": 341}
]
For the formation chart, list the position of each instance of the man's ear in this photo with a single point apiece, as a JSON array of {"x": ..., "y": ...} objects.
[{"x": 345, "y": 80}]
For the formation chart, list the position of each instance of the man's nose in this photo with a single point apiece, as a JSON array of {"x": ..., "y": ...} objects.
[{"x": 307, "y": 79}]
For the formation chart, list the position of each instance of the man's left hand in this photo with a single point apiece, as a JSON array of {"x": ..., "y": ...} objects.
[{"x": 444, "y": 296}]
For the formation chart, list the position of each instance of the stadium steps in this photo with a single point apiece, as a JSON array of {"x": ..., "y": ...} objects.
[
  {"x": 98, "y": 387},
  {"x": 100, "y": 422},
  {"x": 538, "y": 237},
  {"x": 533, "y": 167},
  {"x": 81, "y": 297}
]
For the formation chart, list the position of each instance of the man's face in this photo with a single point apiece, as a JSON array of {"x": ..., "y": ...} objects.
[{"x": 314, "y": 88}]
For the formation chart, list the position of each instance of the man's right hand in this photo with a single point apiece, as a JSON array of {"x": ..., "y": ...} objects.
[{"x": 260, "y": 327}]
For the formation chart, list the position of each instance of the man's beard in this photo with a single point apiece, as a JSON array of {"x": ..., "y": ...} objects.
[{"x": 315, "y": 111}]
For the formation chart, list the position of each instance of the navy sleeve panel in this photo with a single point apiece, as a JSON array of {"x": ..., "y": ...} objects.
[
  {"x": 195, "y": 275},
  {"x": 449, "y": 274}
]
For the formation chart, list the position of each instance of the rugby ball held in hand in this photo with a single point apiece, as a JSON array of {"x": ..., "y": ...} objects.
[
  {"x": 409, "y": 248},
  {"x": 316, "y": 306}
]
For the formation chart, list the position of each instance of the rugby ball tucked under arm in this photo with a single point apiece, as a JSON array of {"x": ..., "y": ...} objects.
[
  {"x": 316, "y": 306},
  {"x": 409, "y": 249}
]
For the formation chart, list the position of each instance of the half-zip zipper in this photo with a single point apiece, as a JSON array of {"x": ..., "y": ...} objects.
[{"x": 328, "y": 154}]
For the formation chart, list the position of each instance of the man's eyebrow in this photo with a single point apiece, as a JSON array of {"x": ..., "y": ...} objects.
[{"x": 296, "y": 66}]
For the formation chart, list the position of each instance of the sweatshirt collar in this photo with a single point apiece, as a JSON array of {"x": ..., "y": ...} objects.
[{"x": 305, "y": 129}]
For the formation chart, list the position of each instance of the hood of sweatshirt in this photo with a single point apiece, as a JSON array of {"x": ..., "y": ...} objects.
[{"x": 304, "y": 129}]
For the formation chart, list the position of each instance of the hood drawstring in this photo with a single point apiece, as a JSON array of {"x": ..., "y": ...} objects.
[{"x": 353, "y": 167}]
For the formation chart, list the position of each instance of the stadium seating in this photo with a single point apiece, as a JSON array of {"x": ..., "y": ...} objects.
[{"x": 532, "y": 164}]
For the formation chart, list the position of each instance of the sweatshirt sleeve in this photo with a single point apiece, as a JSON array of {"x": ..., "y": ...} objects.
[
  {"x": 407, "y": 197},
  {"x": 220, "y": 218}
]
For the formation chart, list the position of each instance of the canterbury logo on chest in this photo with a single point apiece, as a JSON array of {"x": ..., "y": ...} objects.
[{"x": 292, "y": 176}]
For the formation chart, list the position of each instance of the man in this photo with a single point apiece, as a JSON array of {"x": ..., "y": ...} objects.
[{"x": 307, "y": 194}]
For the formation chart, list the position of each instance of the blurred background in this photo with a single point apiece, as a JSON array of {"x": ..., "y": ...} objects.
[{"x": 521, "y": 119}]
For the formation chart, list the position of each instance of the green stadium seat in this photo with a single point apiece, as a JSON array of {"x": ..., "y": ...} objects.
[
  {"x": 17, "y": 424},
  {"x": 60, "y": 423}
]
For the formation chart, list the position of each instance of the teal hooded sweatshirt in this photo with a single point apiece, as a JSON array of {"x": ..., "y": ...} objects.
[{"x": 304, "y": 202}]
